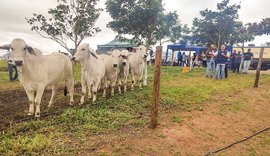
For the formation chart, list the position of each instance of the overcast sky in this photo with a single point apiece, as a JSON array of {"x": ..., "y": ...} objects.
[{"x": 13, "y": 23}]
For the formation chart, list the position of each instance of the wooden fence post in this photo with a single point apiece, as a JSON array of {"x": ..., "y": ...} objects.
[
  {"x": 156, "y": 87},
  {"x": 259, "y": 68}
]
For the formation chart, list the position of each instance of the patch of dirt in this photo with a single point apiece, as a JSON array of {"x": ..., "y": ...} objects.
[
  {"x": 224, "y": 120},
  {"x": 11, "y": 109}
]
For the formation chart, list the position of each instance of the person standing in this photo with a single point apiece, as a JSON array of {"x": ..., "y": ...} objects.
[
  {"x": 237, "y": 62},
  {"x": 179, "y": 58},
  {"x": 11, "y": 67},
  {"x": 194, "y": 63},
  {"x": 184, "y": 59},
  {"x": 248, "y": 56},
  {"x": 200, "y": 59},
  {"x": 210, "y": 61},
  {"x": 204, "y": 58},
  {"x": 221, "y": 59},
  {"x": 233, "y": 61}
]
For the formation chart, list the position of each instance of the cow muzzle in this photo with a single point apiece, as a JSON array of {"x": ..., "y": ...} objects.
[
  {"x": 124, "y": 63},
  {"x": 18, "y": 63},
  {"x": 114, "y": 65}
]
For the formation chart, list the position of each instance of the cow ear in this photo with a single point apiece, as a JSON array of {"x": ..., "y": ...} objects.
[
  {"x": 94, "y": 55},
  {"x": 30, "y": 50},
  {"x": 6, "y": 46}
]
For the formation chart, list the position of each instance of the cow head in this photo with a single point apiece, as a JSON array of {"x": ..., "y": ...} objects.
[
  {"x": 83, "y": 52},
  {"x": 19, "y": 50},
  {"x": 124, "y": 57},
  {"x": 142, "y": 50},
  {"x": 115, "y": 55}
]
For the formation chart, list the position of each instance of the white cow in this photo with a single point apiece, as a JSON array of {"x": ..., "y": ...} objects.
[
  {"x": 124, "y": 69},
  {"x": 93, "y": 69},
  {"x": 111, "y": 61},
  {"x": 37, "y": 73},
  {"x": 138, "y": 66}
]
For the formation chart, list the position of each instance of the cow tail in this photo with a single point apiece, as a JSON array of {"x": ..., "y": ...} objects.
[{"x": 65, "y": 90}]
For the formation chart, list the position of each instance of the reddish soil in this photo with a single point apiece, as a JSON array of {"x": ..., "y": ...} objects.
[{"x": 222, "y": 121}]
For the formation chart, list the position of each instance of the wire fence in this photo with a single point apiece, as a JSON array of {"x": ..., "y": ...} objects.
[{"x": 236, "y": 142}]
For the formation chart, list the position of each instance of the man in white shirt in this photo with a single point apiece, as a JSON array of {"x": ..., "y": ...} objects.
[{"x": 11, "y": 66}]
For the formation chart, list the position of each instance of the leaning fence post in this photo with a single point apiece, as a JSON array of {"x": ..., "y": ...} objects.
[
  {"x": 259, "y": 68},
  {"x": 156, "y": 87}
]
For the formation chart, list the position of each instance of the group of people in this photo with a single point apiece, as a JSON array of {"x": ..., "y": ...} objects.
[
  {"x": 220, "y": 59},
  {"x": 196, "y": 60}
]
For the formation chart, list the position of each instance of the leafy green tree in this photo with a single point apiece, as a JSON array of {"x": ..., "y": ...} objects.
[
  {"x": 70, "y": 20},
  {"x": 241, "y": 35},
  {"x": 216, "y": 27},
  {"x": 145, "y": 20},
  {"x": 261, "y": 28}
]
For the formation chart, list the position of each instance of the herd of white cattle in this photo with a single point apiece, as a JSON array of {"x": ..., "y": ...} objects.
[{"x": 38, "y": 72}]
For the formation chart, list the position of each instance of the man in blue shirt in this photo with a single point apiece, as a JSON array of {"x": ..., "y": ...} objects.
[
  {"x": 179, "y": 58},
  {"x": 221, "y": 59}
]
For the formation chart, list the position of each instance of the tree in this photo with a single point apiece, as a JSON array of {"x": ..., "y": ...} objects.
[
  {"x": 70, "y": 20},
  {"x": 216, "y": 27},
  {"x": 262, "y": 28},
  {"x": 145, "y": 20},
  {"x": 241, "y": 35},
  {"x": 169, "y": 28}
]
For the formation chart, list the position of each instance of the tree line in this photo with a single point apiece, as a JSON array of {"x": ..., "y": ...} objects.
[{"x": 147, "y": 22}]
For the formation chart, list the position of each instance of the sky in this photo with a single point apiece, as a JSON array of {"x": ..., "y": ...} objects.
[{"x": 13, "y": 24}]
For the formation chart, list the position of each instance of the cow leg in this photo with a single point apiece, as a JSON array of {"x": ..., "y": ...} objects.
[
  {"x": 83, "y": 92},
  {"x": 104, "y": 86},
  {"x": 31, "y": 98},
  {"x": 140, "y": 80},
  {"x": 52, "y": 96},
  {"x": 89, "y": 92},
  {"x": 70, "y": 85},
  {"x": 113, "y": 85},
  {"x": 133, "y": 82},
  {"x": 119, "y": 86},
  {"x": 40, "y": 91},
  {"x": 125, "y": 83},
  {"x": 94, "y": 89},
  {"x": 145, "y": 75}
]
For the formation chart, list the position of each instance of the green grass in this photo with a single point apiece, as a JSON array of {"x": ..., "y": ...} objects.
[{"x": 68, "y": 132}]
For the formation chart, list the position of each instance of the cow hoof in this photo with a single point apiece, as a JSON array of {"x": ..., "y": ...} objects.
[
  {"x": 80, "y": 103},
  {"x": 89, "y": 97},
  {"x": 37, "y": 115},
  {"x": 30, "y": 114},
  {"x": 71, "y": 103},
  {"x": 140, "y": 88}
]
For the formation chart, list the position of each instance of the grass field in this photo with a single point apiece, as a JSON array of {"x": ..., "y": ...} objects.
[{"x": 85, "y": 130}]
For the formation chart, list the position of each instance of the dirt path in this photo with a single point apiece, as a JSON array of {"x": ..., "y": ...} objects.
[{"x": 222, "y": 121}]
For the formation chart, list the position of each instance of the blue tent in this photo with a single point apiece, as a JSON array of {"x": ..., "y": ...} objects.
[{"x": 181, "y": 47}]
